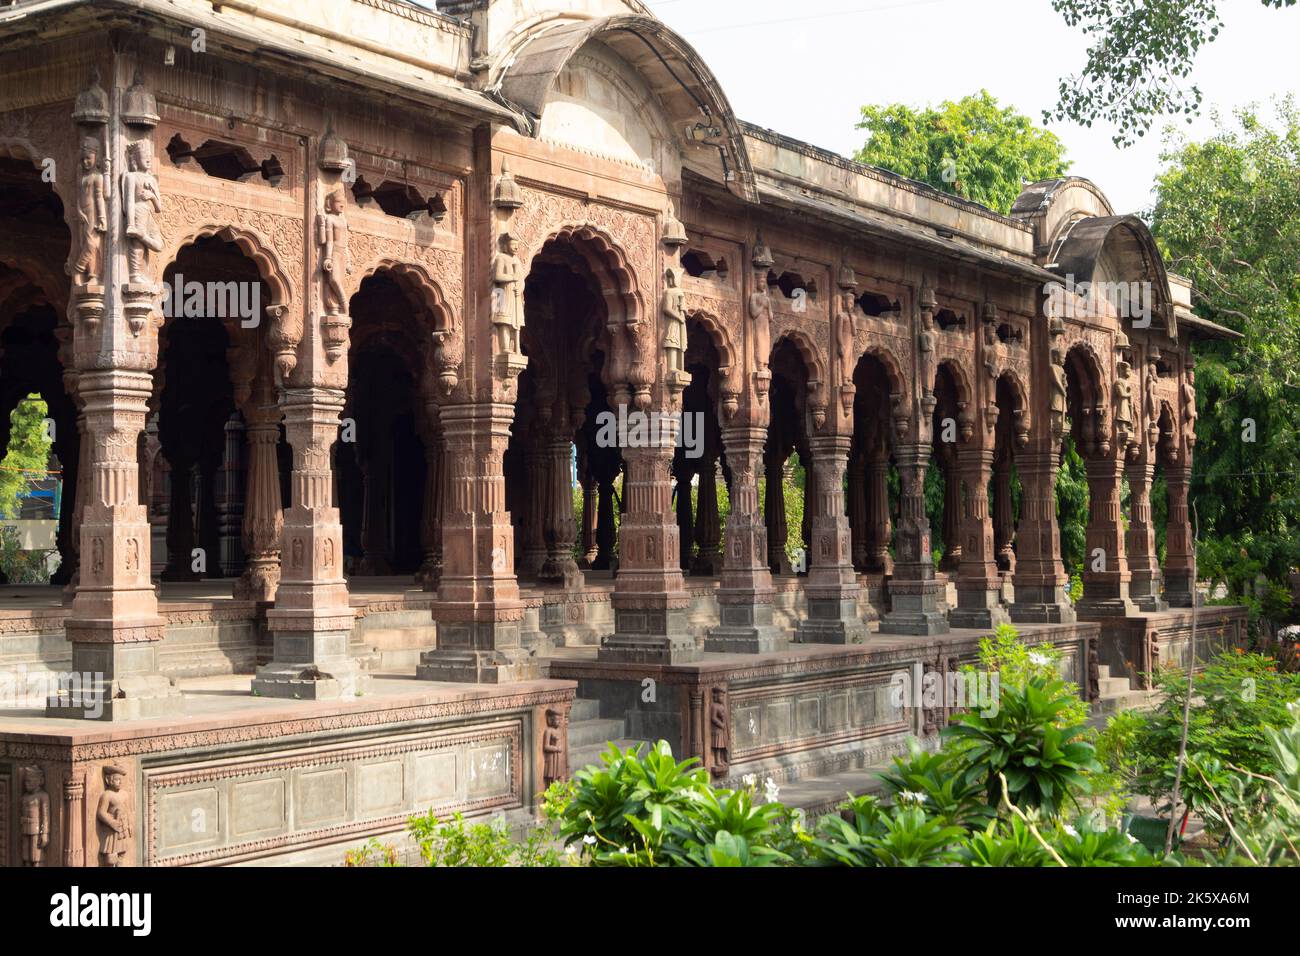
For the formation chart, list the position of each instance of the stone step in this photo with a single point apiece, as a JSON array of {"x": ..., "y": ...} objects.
[
  {"x": 581, "y": 757},
  {"x": 1131, "y": 700},
  {"x": 1113, "y": 686},
  {"x": 584, "y": 708},
  {"x": 1103, "y": 671},
  {"x": 586, "y": 733}
]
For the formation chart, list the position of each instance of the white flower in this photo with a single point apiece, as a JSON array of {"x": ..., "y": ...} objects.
[
  {"x": 750, "y": 780},
  {"x": 770, "y": 790},
  {"x": 1041, "y": 660},
  {"x": 589, "y": 839},
  {"x": 912, "y": 796},
  {"x": 1071, "y": 830},
  {"x": 1131, "y": 838},
  {"x": 623, "y": 850},
  {"x": 571, "y": 849}
]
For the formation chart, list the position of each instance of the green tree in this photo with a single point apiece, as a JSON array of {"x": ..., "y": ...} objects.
[
  {"x": 973, "y": 148},
  {"x": 1227, "y": 216},
  {"x": 1142, "y": 53},
  {"x": 27, "y": 455}
]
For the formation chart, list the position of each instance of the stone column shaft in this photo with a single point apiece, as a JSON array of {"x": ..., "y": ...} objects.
[
  {"x": 708, "y": 527},
  {"x": 1105, "y": 564},
  {"x": 560, "y": 529},
  {"x": 834, "y": 616},
  {"x": 878, "y": 559},
  {"x": 917, "y": 597},
  {"x": 1140, "y": 542},
  {"x": 263, "y": 522},
  {"x": 979, "y": 587},
  {"x": 1040, "y": 576},
  {"x": 1179, "y": 544}
]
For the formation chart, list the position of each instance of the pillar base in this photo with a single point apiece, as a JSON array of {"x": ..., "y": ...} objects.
[
  {"x": 1150, "y": 604},
  {"x": 481, "y": 652},
  {"x": 116, "y": 680},
  {"x": 746, "y": 629},
  {"x": 310, "y": 665},
  {"x": 917, "y": 608},
  {"x": 832, "y": 621},
  {"x": 1178, "y": 589},
  {"x": 650, "y": 636},
  {"x": 1106, "y": 607},
  {"x": 1041, "y": 605}
]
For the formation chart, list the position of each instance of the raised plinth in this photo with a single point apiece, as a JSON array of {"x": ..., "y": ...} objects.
[
  {"x": 745, "y": 628},
  {"x": 917, "y": 608},
  {"x": 310, "y": 659}
]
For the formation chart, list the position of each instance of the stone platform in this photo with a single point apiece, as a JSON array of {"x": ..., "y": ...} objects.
[{"x": 238, "y": 779}]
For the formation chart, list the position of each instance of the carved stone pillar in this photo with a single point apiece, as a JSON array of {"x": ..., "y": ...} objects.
[
  {"x": 878, "y": 559},
  {"x": 180, "y": 521},
  {"x": 778, "y": 561},
  {"x": 1140, "y": 542},
  {"x": 375, "y": 460},
  {"x": 590, "y": 493},
  {"x": 979, "y": 587},
  {"x": 832, "y": 587},
  {"x": 685, "y": 518},
  {"x": 606, "y": 533},
  {"x": 745, "y": 591},
  {"x": 953, "y": 517},
  {"x": 1105, "y": 564},
  {"x": 1180, "y": 589},
  {"x": 537, "y": 467},
  {"x": 917, "y": 597},
  {"x": 478, "y": 611},
  {"x": 74, "y": 814},
  {"x": 1004, "y": 529},
  {"x": 560, "y": 528},
  {"x": 311, "y": 620},
  {"x": 263, "y": 512},
  {"x": 858, "y": 509},
  {"x": 650, "y": 599},
  {"x": 230, "y": 499},
  {"x": 708, "y": 526},
  {"x": 114, "y": 626},
  {"x": 435, "y": 483},
  {"x": 1040, "y": 576},
  {"x": 207, "y": 523}
]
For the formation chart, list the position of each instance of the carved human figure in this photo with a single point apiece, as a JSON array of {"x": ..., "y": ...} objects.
[
  {"x": 1123, "y": 401},
  {"x": 141, "y": 206},
  {"x": 1189, "y": 401},
  {"x": 926, "y": 345},
  {"x": 760, "y": 313},
  {"x": 335, "y": 257},
  {"x": 1152, "y": 402},
  {"x": 718, "y": 730},
  {"x": 553, "y": 768},
  {"x": 1059, "y": 391},
  {"x": 507, "y": 295},
  {"x": 844, "y": 334},
  {"x": 34, "y": 816},
  {"x": 674, "y": 322},
  {"x": 114, "y": 816},
  {"x": 92, "y": 215}
]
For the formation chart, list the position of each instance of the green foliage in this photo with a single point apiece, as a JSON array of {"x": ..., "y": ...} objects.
[
  {"x": 454, "y": 843},
  {"x": 900, "y": 835},
  {"x": 1072, "y": 510},
  {"x": 1088, "y": 847},
  {"x": 973, "y": 148},
  {"x": 1237, "y": 698},
  {"x": 28, "y": 453},
  {"x": 1004, "y": 843},
  {"x": 1139, "y": 58},
  {"x": 938, "y": 783},
  {"x": 1042, "y": 761},
  {"x": 20, "y": 566},
  {"x": 1227, "y": 216},
  {"x": 1016, "y": 663}
]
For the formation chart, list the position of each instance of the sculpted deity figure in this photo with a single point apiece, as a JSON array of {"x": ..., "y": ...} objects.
[
  {"x": 335, "y": 259},
  {"x": 1123, "y": 402},
  {"x": 34, "y": 813},
  {"x": 926, "y": 345},
  {"x": 1152, "y": 403},
  {"x": 553, "y": 768},
  {"x": 1059, "y": 391},
  {"x": 1189, "y": 402},
  {"x": 844, "y": 334},
  {"x": 141, "y": 205},
  {"x": 760, "y": 312},
  {"x": 507, "y": 295},
  {"x": 674, "y": 322},
  {"x": 92, "y": 216},
  {"x": 114, "y": 816},
  {"x": 718, "y": 730}
]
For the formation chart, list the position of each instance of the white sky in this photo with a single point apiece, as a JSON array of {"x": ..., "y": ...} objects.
[{"x": 805, "y": 68}]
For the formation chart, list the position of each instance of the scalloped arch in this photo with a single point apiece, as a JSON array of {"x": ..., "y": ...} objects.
[
  {"x": 250, "y": 244},
  {"x": 718, "y": 335},
  {"x": 415, "y": 281},
  {"x": 807, "y": 350}
]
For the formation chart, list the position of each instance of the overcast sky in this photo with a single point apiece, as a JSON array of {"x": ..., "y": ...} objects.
[{"x": 804, "y": 68}]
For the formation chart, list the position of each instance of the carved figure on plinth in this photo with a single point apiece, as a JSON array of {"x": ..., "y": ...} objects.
[
  {"x": 1152, "y": 403},
  {"x": 507, "y": 295},
  {"x": 114, "y": 817},
  {"x": 553, "y": 749},
  {"x": 92, "y": 215},
  {"x": 1123, "y": 405},
  {"x": 336, "y": 259},
  {"x": 760, "y": 314},
  {"x": 141, "y": 206},
  {"x": 718, "y": 731},
  {"x": 844, "y": 334},
  {"x": 674, "y": 322},
  {"x": 1059, "y": 392},
  {"x": 1189, "y": 405},
  {"x": 929, "y": 359},
  {"x": 34, "y": 816}
]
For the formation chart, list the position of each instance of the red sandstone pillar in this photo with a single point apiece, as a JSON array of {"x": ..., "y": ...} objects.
[
  {"x": 1040, "y": 576},
  {"x": 263, "y": 511},
  {"x": 917, "y": 597},
  {"x": 1105, "y": 564},
  {"x": 1179, "y": 586},
  {"x": 1140, "y": 542},
  {"x": 832, "y": 587},
  {"x": 979, "y": 587}
]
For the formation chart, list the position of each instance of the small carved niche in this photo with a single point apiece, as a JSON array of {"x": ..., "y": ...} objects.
[
  {"x": 877, "y": 305},
  {"x": 403, "y": 201},
  {"x": 948, "y": 320},
  {"x": 224, "y": 160},
  {"x": 701, "y": 265}
]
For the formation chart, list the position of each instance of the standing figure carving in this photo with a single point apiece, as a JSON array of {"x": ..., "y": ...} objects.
[
  {"x": 141, "y": 206},
  {"x": 114, "y": 817},
  {"x": 336, "y": 259},
  {"x": 507, "y": 295},
  {"x": 760, "y": 313},
  {"x": 929, "y": 360},
  {"x": 1059, "y": 392},
  {"x": 1123, "y": 405},
  {"x": 1189, "y": 405},
  {"x": 553, "y": 749},
  {"x": 92, "y": 215},
  {"x": 674, "y": 322},
  {"x": 845, "y": 331},
  {"x": 718, "y": 731},
  {"x": 34, "y": 811}
]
